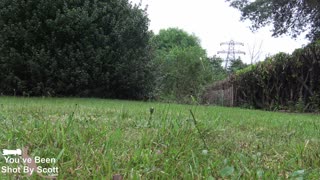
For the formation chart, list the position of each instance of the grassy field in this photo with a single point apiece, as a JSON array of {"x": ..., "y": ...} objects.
[{"x": 99, "y": 139}]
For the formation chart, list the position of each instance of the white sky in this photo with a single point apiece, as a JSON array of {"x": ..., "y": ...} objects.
[{"x": 213, "y": 21}]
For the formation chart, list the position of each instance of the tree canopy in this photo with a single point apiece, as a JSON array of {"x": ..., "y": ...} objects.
[
  {"x": 236, "y": 65},
  {"x": 169, "y": 38},
  {"x": 287, "y": 16},
  {"x": 182, "y": 66},
  {"x": 74, "y": 48}
]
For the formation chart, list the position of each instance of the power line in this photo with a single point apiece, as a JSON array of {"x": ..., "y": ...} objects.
[{"x": 231, "y": 52}]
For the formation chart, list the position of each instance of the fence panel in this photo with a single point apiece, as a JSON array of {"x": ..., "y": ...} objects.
[{"x": 221, "y": 93}]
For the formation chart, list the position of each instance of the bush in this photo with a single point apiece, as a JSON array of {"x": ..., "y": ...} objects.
[
  {"x": 74, "y": 48},
  {"x": 182, "y": 66},
  {"x": 281, "y": 81}
]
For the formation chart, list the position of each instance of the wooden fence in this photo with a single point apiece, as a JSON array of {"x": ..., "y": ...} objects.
[{"x": 220, "y": 93}]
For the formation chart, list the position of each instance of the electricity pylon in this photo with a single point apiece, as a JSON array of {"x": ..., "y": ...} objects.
[{"x": 231, "y": 52}]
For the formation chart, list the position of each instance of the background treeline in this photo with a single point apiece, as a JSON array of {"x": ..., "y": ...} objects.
[
  {"x": 182, "y": 68},
  {"x": 282, "y": 81},
  {"x": 97, "y": 48}
]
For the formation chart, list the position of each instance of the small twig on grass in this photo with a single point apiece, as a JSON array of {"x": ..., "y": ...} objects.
[{"x": 201, "y": 135}]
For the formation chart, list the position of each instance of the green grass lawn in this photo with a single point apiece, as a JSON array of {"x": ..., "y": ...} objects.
[{"x": 97, "y": 139}]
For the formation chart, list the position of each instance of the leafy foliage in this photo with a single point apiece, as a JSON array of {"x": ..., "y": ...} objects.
[
  {"x": 236, "y": 65},
  {"x": 183, "y": 68},
  {"x": 287, "y": 16},
  {"x": 219, "y": 73},
  {"x": 78, "y": 48},
  {"x": 282, "y": 81},
  {"x": 174, "y": 37}
]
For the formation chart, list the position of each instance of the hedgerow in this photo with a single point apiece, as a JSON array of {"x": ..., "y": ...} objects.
[{"x": 282, "y": 81}]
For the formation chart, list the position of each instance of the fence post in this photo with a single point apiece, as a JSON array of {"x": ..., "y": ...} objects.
[{"x": 232, "y": 96}]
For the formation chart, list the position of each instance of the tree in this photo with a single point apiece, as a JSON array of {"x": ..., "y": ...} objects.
[
  {"x": 236, "y": 65},
  {"x": 182, "y": 65},
  {"x": 255, "y": 52},
  {"x": 219, "y": 73},
  {"x": 287, "y": 16},
  {"x": 74, "y": 48},
  {"x": 174, "y": 37}
]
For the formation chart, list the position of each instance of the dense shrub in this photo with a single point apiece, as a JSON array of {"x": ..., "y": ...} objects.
[
  {"x": 182, "y": 66},
  {"x": 282, "y": 81},
  {"x": 74, "y": 48}
]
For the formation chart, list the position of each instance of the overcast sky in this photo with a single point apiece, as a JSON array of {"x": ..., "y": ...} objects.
[{"x": 213, "y": 21}]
